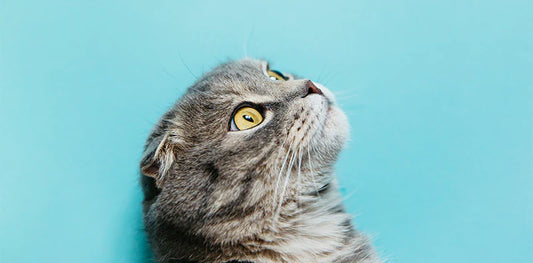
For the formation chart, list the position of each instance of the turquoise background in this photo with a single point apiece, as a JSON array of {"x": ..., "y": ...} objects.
[{"x": 438, "y": 94}]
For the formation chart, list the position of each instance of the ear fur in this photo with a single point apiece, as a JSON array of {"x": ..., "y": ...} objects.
[{"x": 157, "y": 159}]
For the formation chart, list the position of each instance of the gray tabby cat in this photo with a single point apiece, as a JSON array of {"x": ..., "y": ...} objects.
[{"x": 240, "y": 169}]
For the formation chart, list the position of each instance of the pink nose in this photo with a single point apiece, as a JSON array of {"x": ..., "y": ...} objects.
[{"x": 311, "y": 88}]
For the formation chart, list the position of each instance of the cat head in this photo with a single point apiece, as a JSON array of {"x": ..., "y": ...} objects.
[{"x": 243, "y": 136}]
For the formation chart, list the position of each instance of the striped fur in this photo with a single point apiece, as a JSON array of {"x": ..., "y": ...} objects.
[{"x": 267, "y": 194}]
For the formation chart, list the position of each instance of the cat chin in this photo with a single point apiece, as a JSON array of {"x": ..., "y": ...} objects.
[
  {"x": 332, "y": 130},
  {"x": 336, "y": 127}
]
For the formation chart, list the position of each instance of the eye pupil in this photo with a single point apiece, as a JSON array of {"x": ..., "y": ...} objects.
[{"x": 248, "y": 118}]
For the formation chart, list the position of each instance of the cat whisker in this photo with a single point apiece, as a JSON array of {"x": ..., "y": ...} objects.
[
  {"x": 311, "y": 170},
  {"x": 321, "y": 74},
  {"x": 279, "y": 151},
  {"x": 326, "y": 77},
  {"x": 279, "y": 179},
  {"x": 342, "y": 92},
  {"x": 287, "y": 176},
  {"x": 349, "y": 195},
  {"x": 346, "y": 98},
  {"x": 186, "y": 66},
  {"x": 245, "y": 48},
  {"x": 318, "y": 156},
  {"x": 346, "y": 95},
  {"x": 299, "y": 167}
]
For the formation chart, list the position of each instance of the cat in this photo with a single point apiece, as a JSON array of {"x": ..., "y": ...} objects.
[{"x": 240, "y": 169}]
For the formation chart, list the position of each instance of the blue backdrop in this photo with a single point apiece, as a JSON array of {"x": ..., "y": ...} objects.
[{"x": 438, "y": 94}]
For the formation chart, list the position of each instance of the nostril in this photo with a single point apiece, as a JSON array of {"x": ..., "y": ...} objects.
[{"x": 311, "y": 88}]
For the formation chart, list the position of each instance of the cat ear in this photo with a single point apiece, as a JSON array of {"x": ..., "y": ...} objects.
[{"x": 157, "y": 158}]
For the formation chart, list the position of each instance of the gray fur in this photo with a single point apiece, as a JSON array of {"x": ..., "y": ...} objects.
[{"x": 267, "y": 194}]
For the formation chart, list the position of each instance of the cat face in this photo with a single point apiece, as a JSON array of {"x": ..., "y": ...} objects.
[{"x": 243, "y": 137}]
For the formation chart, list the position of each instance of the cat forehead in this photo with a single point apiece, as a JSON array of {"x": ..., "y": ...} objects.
[
  {"x": 246, "y": 75},
  {"x": 243, "y": 66},
  {"x": 241, "y": 80}
]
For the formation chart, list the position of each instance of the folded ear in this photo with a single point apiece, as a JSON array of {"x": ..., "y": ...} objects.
[{"x": 157, "y": 158}]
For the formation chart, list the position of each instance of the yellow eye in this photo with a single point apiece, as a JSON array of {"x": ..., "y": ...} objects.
[
  {"x": 246, "y": 118},
  {"x": 276, "y": 75}
]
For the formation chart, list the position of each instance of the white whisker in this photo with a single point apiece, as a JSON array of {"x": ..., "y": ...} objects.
[
  {"x": 350, "y": 194},
  {"x": 279, "y": 178},
  {"x": 299, "y": 163},
  {"x": 245, "y": 48},
  {"x": 279, "y": 152},
  {"x": 299, "y": 168},
  {"x": 287, "y": 176},
  {"x": 346, "y": 97},
  {"x": 311, "y": 170}
]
